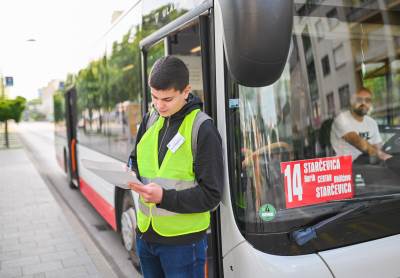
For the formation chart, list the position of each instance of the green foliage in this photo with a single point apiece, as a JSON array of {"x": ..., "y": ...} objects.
[
  {"x": 115, "y": 77},
  {"x": 37, "y": 116},
  {"x": 36, "y": 101},
  {"x": 58, "y": 101},
  {"x": 5, "y": 110},
  {"x": 378, "y": 87},
  {"x": 11, "y": 109}
]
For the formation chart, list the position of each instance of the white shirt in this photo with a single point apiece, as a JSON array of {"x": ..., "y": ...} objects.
[{"x": 345, "y": 123}]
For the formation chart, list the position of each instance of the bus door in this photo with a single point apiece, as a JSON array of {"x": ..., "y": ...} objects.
[
  {"x": 193, "y": 43},
  {"x": 71, "y": 114}
]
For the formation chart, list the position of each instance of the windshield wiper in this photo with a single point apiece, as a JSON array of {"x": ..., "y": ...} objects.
[
  {"x": 368, "y": 198},
  {"x": 304, "y": 235}
]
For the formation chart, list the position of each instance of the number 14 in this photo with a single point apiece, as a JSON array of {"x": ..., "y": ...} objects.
[{"x": 294, "y": 184}]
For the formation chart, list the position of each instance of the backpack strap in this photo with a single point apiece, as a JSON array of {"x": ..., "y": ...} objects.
[
  {"x": 152, "y": 118},
  {"x": 201, "y": 117}
]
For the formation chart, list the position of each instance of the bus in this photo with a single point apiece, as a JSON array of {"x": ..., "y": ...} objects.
[{"x": 274, "y": 76}]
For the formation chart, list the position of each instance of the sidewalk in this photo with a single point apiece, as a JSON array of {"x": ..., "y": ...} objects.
[
  {"x": 36, "y": 240},
  {"x": 13, "y": 140}
]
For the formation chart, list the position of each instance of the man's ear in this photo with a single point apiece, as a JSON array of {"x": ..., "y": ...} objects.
[{"x": 187, "y": 91}]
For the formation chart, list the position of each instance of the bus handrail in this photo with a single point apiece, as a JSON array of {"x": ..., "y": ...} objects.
[{"x": 184, "y": 19}]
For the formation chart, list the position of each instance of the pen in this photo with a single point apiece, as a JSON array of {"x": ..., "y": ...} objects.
[{"x": 130, "y": 163}]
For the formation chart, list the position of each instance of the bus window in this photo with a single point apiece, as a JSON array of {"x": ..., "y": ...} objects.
[
  {"x": 60, "y": 130},
  {"x": 155, "y": 52},
  {"x": 185, "y": 45},
  {"x": 109, "y": 94},
  {"x": 322, "y": 136}
]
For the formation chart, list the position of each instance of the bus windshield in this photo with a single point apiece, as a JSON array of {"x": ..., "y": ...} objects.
[{"x": 324, "y": 135}]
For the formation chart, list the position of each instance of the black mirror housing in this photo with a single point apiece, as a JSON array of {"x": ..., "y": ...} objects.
[{"x": 257, "y": 36}]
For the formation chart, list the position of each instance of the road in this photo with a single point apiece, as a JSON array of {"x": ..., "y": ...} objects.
[{"x": 38, "y": 141}]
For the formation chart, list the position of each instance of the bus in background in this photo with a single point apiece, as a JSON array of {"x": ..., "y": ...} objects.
[{"x": 273, "y": 75}]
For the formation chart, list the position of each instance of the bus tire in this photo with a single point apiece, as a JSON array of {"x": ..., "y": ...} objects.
[
  {"x": 71, "y": 184},
  {"x": 70, "y": 181},
  {"x": 128, "y": 226}
]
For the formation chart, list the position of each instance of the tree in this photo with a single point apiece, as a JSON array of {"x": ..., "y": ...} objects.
[
  {"x": 11, "y": 109},
  {"x": 58, "y": 104}
]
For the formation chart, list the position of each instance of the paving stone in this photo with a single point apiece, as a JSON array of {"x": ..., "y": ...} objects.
[
  {"x": 57, "y": 242},
  {"x": 36, "y": 275},
  {"x": 10, "y": 272},
  {"x": 9, "y": 241},
  {"x": 67, "y": 246},
  {"x": 36, "y": 240},
  {"x": 78, "y": 271},
  {"x": 77, "y": 261},
  {"x": 19, "y": 246},
  {"x": 20, "y": 262},
  {"x": 58, "y": 256},
  {"x": 91, "y": 269},
  {"x": 38, "y": 250},
  {"x": 42, "y": 267},
  {"x": 9, "y": 255}
]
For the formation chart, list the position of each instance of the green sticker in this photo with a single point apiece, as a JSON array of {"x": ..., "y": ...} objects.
[{"x": 267, "y": 212}]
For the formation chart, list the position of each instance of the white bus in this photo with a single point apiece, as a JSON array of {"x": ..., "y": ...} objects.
[{"x": 273, "y": 74}]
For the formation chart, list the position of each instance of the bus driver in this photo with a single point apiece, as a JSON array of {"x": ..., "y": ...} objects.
[{"x": 355, "y": 133}]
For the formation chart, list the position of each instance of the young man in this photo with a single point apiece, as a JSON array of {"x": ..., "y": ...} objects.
[
  {"x": 182, "y": 176},
  {"x": 356, "y": 134}
]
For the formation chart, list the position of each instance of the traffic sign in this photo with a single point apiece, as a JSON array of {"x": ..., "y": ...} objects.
[{"x": 9, "y": 81}]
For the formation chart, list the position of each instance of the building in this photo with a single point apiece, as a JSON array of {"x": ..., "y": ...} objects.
[{"x": 46, "y": 97}]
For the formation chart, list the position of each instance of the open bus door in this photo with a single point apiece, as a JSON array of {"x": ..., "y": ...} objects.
[
  {"x": 193, "y": 42},
  {"x": 71, "y": 114},
  {"x": 214, "y": 267}
]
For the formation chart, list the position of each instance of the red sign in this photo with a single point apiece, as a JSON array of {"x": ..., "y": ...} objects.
[{"x": 315, "y": 181}]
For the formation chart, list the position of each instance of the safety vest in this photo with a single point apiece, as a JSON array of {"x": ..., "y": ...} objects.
[{"x": 176, "y": 172}]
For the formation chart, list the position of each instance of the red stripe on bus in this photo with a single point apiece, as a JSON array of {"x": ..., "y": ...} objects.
[
  {"x": 73, "y": 145},
  {"x": 106, "y": 210}
]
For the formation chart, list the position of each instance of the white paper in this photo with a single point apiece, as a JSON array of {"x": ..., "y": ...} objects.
[{"x": 111, "y": 172}]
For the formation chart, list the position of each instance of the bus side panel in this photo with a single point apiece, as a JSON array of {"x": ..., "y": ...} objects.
[
  {"x": 60, "y": 149},
  {"x": 377, "y": 258},
  {"x": 97, "y": 191},
  {"x": 245, "y": 261}
]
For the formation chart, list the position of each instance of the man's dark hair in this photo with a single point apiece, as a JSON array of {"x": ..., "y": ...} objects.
[{"x": 169, "y": 72}]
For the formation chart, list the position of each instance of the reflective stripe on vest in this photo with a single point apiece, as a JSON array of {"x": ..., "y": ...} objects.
[{"x": 175, "y": 172}]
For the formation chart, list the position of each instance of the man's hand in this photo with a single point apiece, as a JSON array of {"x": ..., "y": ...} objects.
[
  {"x": 151, "y": 193},
  {"x": 383, "y": 156}
]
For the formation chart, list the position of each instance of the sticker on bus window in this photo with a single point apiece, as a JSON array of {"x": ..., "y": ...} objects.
[
  {"x": 319, "y": 180},
  {"x": 267, "y": 212}
]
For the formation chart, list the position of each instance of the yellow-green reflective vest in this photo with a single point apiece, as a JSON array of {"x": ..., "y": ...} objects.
[{"x": 176, "y": 172}]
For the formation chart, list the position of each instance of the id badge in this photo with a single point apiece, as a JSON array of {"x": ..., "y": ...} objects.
[{"x": 176, "y": 142}]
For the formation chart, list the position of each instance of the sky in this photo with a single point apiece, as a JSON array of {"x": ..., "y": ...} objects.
[{"x": 64, "y": 32}]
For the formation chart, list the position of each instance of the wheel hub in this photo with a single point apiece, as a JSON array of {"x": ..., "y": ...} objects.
[{"x": 128, "y": 223}]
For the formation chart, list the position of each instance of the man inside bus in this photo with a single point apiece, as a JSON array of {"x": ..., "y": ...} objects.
[
  {"x": 355, "y": 133},
  {"x": 182, "y": 183}
]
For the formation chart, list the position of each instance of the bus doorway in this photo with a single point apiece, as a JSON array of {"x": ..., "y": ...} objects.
[
  {"x": 71, "y": 112},
  {"x": 193, "y": 43}
]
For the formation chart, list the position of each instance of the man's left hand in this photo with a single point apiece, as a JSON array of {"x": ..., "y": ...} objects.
[{"x": 151, "y": 193}]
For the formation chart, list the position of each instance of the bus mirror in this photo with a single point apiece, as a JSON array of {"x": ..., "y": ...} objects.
[{"x": 257, "y": 36}]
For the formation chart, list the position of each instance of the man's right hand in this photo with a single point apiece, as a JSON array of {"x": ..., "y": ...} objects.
[{"x": 383, "y": 156}]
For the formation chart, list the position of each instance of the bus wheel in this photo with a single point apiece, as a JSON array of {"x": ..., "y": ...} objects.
[
  {"x": 128, "y": 226},
  {"x": 70, "y": 182}
]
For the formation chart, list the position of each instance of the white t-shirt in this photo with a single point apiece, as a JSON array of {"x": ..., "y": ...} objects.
[{"x": 345, "y": 123}]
